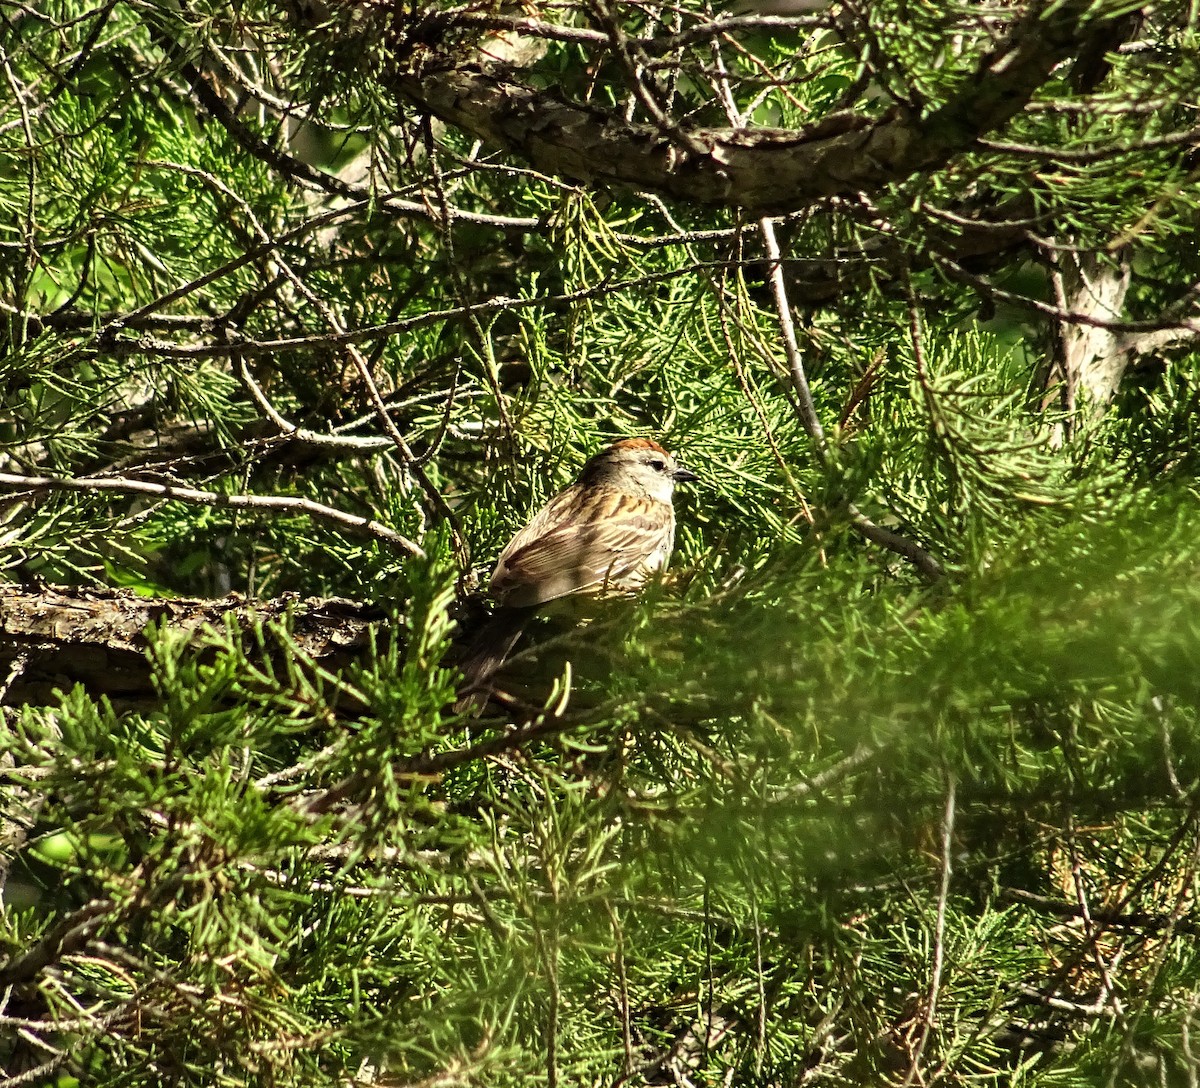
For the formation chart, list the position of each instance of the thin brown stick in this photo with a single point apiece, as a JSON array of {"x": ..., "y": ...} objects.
[
  {"x": 108, "y": 340},
  {"x": 806, "y": 409},
  {"x": 939, "y": 935},
  {"x": 70, "y": 933},
  {"x": 293, "y": 503},
  {"x": 627, "y": 1065}
]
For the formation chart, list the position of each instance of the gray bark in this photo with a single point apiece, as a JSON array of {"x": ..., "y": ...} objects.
[
  {"x": 1094, "y": 357},
  {"x": 762, "y": 170},
  {"x": 53, "y": 638}
]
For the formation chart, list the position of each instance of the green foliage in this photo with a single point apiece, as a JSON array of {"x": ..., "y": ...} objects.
[
  {"x": 749, "y": 862},
  {"x": 795, "y": 814}
]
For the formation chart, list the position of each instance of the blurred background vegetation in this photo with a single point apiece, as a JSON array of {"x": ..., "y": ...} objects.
[{"x": 894, "y": 779}]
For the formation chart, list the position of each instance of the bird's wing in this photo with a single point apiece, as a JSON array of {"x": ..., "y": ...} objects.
[{"x": 576, "y": 544}]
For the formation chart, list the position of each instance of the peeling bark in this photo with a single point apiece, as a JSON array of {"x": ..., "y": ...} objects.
[
  {"x": 1092, "y": 358},
  {"x": 54, "y": 638}
]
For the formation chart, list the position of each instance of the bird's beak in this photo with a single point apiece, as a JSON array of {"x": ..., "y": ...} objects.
[{"x": 681, "y": 475}]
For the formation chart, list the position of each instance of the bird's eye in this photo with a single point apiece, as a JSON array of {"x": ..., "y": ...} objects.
[{"x": 658, "y": 465}]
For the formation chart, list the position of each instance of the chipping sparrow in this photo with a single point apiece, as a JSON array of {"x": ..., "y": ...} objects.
[{"x": 608, "y": 532}]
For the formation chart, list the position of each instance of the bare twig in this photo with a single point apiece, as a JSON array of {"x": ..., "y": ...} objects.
[
  {"x": 107, "y": 338},
  {"x": 37, "y": 1073},
  {"x": 1110, "y": 919},
  {"x": 68, "y": 934},
  {"x": 861, "y": 755},
  {"x": 811, "y": 421},
  {"x": 435, "y": 763},
  {"x": 1108, "y": 991},
  {"x": 1185, "y": 326},
  {"x": 1185, "y": 883},
  {"x": 28, "y": 226},
  {"x": 704, "y": 30},
  {"x": 293, "y": 503},
  {"x": 20, "y": 807},
  {"x": 1101, "y": 153},
  {"x": 939, "y": 935},
  {"x": 635, "y": 71},
  {"x": 804, "y": 404},
  {"x": 618, "y": 931},
  {"x": 335, "y": 323},
  {"x": 364, "y": 443}
]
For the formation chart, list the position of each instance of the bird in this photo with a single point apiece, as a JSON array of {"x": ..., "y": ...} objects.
[{"x": 608, "y": 533}]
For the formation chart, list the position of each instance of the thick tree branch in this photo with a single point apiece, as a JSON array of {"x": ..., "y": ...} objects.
[
  {"x": 52, "y": 638},
  {"x": 763, "y": 170},
  {"x": 1091, "y": 359}
]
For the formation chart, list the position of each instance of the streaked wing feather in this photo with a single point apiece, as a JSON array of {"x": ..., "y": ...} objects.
[{"x": 559, "y": 553}]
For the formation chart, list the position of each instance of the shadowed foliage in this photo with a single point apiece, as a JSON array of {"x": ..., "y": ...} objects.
[{"x": 891, "y": 780}]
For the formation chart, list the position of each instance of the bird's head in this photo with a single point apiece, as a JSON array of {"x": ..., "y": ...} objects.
[{"x": 638, "y": 466}]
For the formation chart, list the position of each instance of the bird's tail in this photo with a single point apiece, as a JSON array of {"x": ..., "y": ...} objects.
[{"x": 486, "y": 653}]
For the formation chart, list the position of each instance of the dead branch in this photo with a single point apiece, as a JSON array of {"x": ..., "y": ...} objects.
[{"x": 52, "y": 638}]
